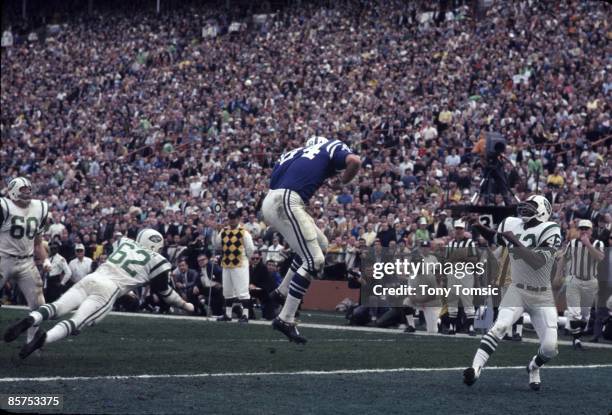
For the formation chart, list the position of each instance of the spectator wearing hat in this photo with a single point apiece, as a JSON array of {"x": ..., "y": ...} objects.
[
  {"x": 580, "y": 264},
  {"x": 422, "y": 232},
  {"x": 79, "y": 266}
]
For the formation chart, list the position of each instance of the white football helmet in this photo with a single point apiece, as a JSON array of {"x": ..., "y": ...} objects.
[
  {"x": 314, "y": 140},
  {"x": 535, "y": 207},
  {"x": 150, "y": 239},
  {"x": 16, "y": 191}
]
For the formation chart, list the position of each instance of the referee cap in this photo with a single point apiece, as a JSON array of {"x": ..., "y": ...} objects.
[
  {"x": 585, "y": 223},
  {"x": 459, "y": 224}
]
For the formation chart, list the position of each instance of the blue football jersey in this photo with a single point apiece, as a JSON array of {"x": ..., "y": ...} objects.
[{"x": 304, "y": 169}]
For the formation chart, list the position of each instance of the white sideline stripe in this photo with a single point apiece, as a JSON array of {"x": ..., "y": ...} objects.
[
  {"x": 337, "y": 327},
  {"x": 299, "y": 373}
]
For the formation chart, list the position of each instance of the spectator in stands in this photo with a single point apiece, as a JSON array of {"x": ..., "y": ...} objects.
[
  {"x": 184, "y": 279},
  {"x": 275, "y": 251},
  {"x": 206, "y": 294},
  {"x": 81, "y": 265},
  {"x": 263, "y": 280}
]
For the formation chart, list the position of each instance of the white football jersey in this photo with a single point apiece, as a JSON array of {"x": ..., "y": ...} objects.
[
  {"x": 19, "y": 226},
  {"x": 544, "y": 238},
  {"x": 131, "y": 266}
]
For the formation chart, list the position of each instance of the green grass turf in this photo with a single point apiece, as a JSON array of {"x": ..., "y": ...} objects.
[{"x": 123, "y": 345}]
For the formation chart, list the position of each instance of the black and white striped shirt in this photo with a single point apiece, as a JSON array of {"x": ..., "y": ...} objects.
[
  {"x": 580, "y": 262},
  {"x": 466, "y": 245}
]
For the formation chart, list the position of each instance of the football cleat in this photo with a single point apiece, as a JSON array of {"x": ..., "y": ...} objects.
[
  {"x": 224, "y": 318},
  {"x": 577, "y": 344},
  {"x": 409, "y": 329},
  {"x": 471, "y": 331},
  {"x": 534, "y": 378},
  {"x": 470, "y": 376},
  {"x": 243, "y": 319},
  {"x": 19, "y": 327},
  {"x": 289, "y": 330},
  {"x": 37, "y": 342},
  {"x": 517, "y": 337}
]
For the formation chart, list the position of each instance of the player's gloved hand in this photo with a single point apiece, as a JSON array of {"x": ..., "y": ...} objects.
[
  {"x": 511, "y": 237},
  {"x": 188, "y": 307}
]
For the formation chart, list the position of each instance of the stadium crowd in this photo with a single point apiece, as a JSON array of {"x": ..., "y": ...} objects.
[{"x": 124, "y": 121}]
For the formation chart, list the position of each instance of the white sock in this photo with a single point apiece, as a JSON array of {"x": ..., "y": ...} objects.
[
  {"x": 519, "y": 329},
  {"x": 532, "y": 364},
  {"x": 58, "y": 332},
  {"x": 480, "y": 359},
  {"x": 245, "y": 312},
  {"x": 228, "y": 311},
  {"x": 38, "y": 318},
  {"x": 487, "y": 346},
  {"x": 283, "y": 288},
  {"x": 410, "y": 319},
  {"x": 287, "y": 314}
]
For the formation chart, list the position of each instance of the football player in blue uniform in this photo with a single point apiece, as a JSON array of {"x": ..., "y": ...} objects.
[{"x": 295, "y": 178}]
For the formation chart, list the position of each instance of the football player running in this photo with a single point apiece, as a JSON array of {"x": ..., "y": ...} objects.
[
  {"x": 295, "y": 178},
  {"x": 132, "y": 265},
  {"x": 533, "y": 242},
  {"x": 22, "y": 223}
]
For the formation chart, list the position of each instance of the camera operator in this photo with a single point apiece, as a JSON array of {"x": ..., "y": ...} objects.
[{"x": 490, "y": 148}]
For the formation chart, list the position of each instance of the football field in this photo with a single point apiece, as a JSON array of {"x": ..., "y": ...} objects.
[{"x": 166, "y": 364}]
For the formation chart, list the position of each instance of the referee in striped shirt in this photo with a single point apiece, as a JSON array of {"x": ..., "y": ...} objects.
[
  {"x": 461, "y": 249},
  {"x": 581, "y": 261}
]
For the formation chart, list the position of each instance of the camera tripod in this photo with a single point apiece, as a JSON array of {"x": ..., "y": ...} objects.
[{"x": 501, "y": 181}]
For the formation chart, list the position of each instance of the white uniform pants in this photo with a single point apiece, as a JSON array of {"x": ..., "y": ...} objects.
[
  {"x": 542, "y": 311},
  {"x": 432, "y": 314},
  {"x": 467, "y": 300},
  {"x": 24, "y": 273},
  {"x": 236, "y": 283},
  {"x": 580, "y": 296},
  {"x": 93, "y": 297},
  {"x": 285, "y": 212}
]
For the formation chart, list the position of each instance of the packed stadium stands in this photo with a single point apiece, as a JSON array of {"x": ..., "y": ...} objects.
[{"x": 127, "y": 118}]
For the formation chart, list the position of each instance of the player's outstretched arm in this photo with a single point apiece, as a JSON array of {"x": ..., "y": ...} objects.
[
  {"x": 534, "y": 259},
  {"x": 160, "y": 286},
  {"x": 353, "y": 163}
]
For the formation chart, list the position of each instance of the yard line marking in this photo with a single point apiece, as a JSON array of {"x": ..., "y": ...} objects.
[
  {"x": 298, "y": 373},
  {"x": 338, "y": 327},
  {"x": 339, "y": 340}
]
